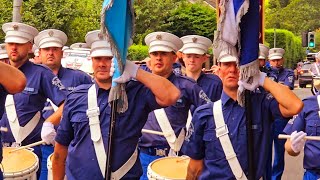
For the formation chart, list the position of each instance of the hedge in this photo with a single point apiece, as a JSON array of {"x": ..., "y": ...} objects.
[
  {"x": 289, "y": 42},
  {"x": 137, "y": 52}
]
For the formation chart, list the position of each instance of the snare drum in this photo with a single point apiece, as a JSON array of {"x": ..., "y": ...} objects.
[
  {"x": 22, "y": 164},
  {"x": 49, "y": 166},
  {"x": 168, "y": 168}
]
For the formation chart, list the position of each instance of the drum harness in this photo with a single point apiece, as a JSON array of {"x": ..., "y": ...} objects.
[
  {"x": 174, "y": 142},
  {"x": 222, "y": 134},
  {"x": 93, "y": 113},
  {"x": 19, "y": 133}
]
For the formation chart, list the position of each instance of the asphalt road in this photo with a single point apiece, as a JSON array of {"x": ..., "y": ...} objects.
[{"x": 294, "y": 165}]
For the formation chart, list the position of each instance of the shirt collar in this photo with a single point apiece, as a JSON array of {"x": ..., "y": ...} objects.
[
  {"x": 26, "y": 64},
  {"x": 225, "y": 98}
]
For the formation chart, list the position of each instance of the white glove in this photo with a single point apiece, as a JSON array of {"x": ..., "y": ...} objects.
[
  {"x": 297, "y": 141},
  {"x": 130, "y": 71},
  {"x": 48, "y": 133},
  {"x": 256, "y": 81}
]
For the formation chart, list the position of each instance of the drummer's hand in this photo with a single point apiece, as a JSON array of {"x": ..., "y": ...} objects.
[
  {"x": 48, "y": 133},
  {"x": 297, "y": 141}
]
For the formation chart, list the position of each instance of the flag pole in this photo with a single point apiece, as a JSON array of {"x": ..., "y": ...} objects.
[
  {"x": 110, "y": 138},
  {"x": 250, "y": 142}
]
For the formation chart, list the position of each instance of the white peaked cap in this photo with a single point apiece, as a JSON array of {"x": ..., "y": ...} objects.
[
  {"x": 163, "y": 41},
  {"x": 18, "y": 32},
  {"x": 51, "y": 38},
  {"x": 194, "y": 44},
  {"x": 100, "y": 46},
  {"x": 276, "y": 53}
]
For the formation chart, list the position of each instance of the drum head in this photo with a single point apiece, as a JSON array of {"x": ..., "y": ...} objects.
[
  {"x": 18, "y": 161},
  {"x": 170, "y": 167}
]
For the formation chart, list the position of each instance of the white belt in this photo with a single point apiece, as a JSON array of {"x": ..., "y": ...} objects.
[
  {"x": 222, "y": 134},
  {"x": 164, "y": 123},
  {"x": 95, "y": 131},
  {"x": 19, "y": 133},
  {"x": 118, "y": 174}
]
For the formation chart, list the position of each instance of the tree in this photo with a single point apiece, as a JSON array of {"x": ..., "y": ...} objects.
[
  {"x": 187, "y": 19},
  {"x": 297, "y": 16},
  {"x": 150, "y": 15}
]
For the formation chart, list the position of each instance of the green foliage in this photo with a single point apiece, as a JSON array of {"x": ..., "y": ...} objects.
[
  {"x": 150, "y": 15},
  {"x": 189, "y": 19},
  {"x": 74, "y": 17},
  {"x": 137, "y": 52},
  {"x": 294, "y": 15},
  {"x": 289, "y": 42}
]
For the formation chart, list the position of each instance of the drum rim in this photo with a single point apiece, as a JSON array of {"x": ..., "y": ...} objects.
[
  {"x": 30, "y": 170},
  {"x": 156, "y": 175}
]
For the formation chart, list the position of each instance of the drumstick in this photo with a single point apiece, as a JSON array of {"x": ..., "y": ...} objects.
[
  {"x": 3, "y": 129},
  {"x": 152, "y": 132},
  {"x": 314, "y": 138},
  {"x": 183, "y": 159},
  {"x": 28, "y": 146}
]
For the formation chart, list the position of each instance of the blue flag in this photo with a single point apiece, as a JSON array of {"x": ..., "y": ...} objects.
[
  {"x": 117, "y": 22},
  {"x": 238, "y": 34}
]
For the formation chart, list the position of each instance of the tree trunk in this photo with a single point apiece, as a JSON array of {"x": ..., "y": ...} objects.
[{"x": 16, "y": 16}]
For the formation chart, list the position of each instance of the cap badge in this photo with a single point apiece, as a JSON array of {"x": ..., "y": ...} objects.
[
  {"x": 15, "y": 27},
  {"x": 80, "y": 45},
  {"x": 51, "y": 33},
  {"x": 2, "y": 47},
  {"x": 100, "y": 35},
  {"x": 159, "y": 37},
  {"x": 194, "y": 40}
]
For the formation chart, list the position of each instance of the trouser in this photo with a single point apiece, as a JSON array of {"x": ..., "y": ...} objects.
[
  {"x": 47, "y": 150},
  {"x": 311, "y": 175},
  {"x": 145, "y": 160},
  {"x": 275, "y": 171}
]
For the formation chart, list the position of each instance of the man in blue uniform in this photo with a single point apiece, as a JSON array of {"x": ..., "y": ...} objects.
[
  {"x": 306, "y": 123},
  {"x": 83, "y": 132},
  {"x": 50, "y": 43},
  {"x": 220, "y": 132},
  {"x": 3, "y": 54},
  {"x": 286, "y": 77},
  {"x": 263, "y": 57},
  {"x": 194, "y": 55},
  {"x": 173, "y": 119},
  {"x": 23, "y": 110},
  {"x": 11, "y": 81}
]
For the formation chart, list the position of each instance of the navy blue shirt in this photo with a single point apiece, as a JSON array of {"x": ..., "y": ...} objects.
[
  {"x": 74, "y": 130},
  {"x": 3, "y": 94},
  {"x": 41, "y": 84},
  {"x": 212, "y": 85},
  {"x": 70, "y": 78},
  {"x": 203, "y": 143},
  {"x": 283, "y": 76},
  {"x": 191, "y": 94},
  {"x": 308, "y": 121}
]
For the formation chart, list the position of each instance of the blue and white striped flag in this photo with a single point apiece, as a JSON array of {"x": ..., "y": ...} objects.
[{"x": 117, "y": 22}]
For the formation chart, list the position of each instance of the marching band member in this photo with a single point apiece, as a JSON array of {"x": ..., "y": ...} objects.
[{"x": 81, "y": 141}]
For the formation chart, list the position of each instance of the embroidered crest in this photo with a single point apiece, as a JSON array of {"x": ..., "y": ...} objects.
[
  {"x": 290, "y": 79},
  {"x": 194, "y": 40},
  {"x": 203, "y": 95},
  {"x": 100, "y": 35},
  {"x": 189, "y": 132},
  {"x": 159, "y": 37},
  {"x": 269, "y": 96},
  {"x": 56, "y": 82},
  {"x": 15, "y": 27},
  {"x": 291, "y": 121}
]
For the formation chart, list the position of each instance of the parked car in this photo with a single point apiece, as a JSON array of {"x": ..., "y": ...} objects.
[{"x": 305, "y": 76}]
